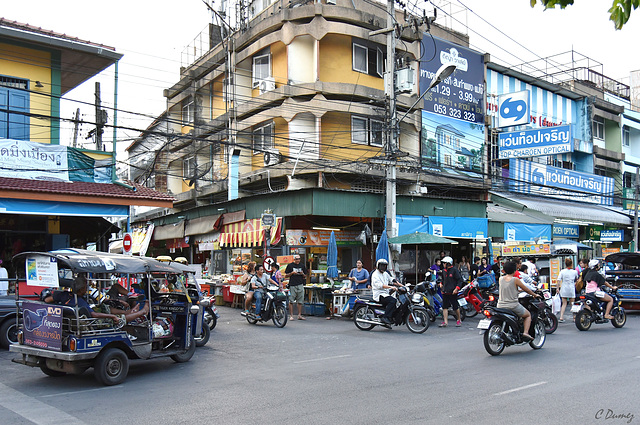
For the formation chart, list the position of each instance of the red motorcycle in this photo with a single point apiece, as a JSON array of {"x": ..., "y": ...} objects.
[{"x": 470, "y": 300}]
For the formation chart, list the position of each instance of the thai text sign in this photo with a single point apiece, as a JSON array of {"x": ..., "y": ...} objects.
[
  {"x": 535, "y": 178},
  {"x": 42, "y": 325},
  {"x": 461, "y": 95},
  {"x": 320, "y": 237},
  {"x": 535, "y": 142},
  {"x": 518, "y": 250},
  {"x": 42, "y": 271},
  {"x": 611, "y": 235}
]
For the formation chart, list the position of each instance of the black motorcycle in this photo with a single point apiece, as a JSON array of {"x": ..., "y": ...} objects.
[
  {"x": 548, "y": 317},
  {"x": 503, "y": 327},
  {"x": 368, "y": 313},
  {"x": 274, "y": 307},
  {"x": 590, "y": 309}
]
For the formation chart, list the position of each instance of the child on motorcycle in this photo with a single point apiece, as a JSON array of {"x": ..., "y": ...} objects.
[{"x": 509, "y": 286}]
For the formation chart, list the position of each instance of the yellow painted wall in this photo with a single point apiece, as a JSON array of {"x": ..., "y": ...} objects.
[
  {"x": 335, "y": 142},
  {"x": 336, "y": 63},
  {"x": 218, "y": 95},
  {"x": 281, "y": 132},
  {"x": 279, "y": 66},
  {"x": 33, "y": 65}
]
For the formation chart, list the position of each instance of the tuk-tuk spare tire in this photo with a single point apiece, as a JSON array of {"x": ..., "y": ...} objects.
[{"x": 111, "y": 366}]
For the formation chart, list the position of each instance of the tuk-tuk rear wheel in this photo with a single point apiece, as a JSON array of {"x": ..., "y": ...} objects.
[{"x": 111, "y": 366}]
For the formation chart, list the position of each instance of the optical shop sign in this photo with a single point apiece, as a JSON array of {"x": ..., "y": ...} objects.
[
  {"x": 536, "y": 142},
  {"x": 540, "y": 179}
]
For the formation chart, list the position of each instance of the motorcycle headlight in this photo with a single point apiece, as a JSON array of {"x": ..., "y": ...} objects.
[{"x": 416, "y": 298}]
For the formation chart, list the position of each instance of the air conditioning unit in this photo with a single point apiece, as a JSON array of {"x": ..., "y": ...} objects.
[
  {"x": 271, "y": 157},
  {"x": 268, "y": 84}
]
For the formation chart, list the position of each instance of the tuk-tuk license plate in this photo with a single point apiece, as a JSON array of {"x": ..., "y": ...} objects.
[
  {"x": 575, "y": 308},
  {"x": 462, "y": 302},
  {"x": 484, "y": 324}
]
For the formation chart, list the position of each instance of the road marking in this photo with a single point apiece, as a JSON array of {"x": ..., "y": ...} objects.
[
  {"x": 78, "y": 392},
  {"x": 521, "y": 388},
  {"x": 323, "y": 358},
  {"x": 34, "y": 410},
  {"x": 469, "y": 337}
]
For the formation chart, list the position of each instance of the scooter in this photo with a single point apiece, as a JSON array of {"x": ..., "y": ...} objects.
[
  {"x": 433, "y": 297},
  {"x": 211, "y": 313},
  {"x": 470, "y": 300},
  {"x": 368, "y": 313}
]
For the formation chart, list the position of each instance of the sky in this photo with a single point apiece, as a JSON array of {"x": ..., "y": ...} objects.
[{"x": 153, "y": 34}]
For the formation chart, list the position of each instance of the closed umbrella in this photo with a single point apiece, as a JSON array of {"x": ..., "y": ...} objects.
[
  {"x": 490, "y": 249},
  {"x": 332, "y": 257},
  {"x": 382, "y": 251}
]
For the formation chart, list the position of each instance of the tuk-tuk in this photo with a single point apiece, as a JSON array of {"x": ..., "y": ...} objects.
[
  {"x": 71, "y": 332},
  {"x": 626, "y": 276}
]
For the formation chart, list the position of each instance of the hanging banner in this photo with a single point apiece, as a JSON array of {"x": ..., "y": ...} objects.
[
  {"x": 535, "y": 142},
  {"x": 458, "y": 227},
  {"x": 524, "y": 250},
  {"x": 526, "y": 232}
]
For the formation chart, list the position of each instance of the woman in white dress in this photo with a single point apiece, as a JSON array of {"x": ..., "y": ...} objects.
[{"x": 567, "y": 285}]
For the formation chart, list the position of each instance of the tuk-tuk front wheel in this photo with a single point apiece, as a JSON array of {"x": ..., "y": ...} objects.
[{"x": 111, "y": 366}]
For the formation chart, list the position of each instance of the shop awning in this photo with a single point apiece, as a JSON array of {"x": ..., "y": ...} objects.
[
  {"x": 248, "y": 233},
  {"x": 201, "y": 225},
  {"x": 578, "y": 211},
  {"x": 450, "y": 227},
  {"x": 504, "y": 214},
  {"x": 169, "y": 231}
]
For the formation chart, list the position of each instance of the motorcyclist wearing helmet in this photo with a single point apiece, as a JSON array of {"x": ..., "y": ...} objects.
[
  {"x": 381, "y": 283},
  {"x": 450, "y": 285},
  {"x": 595, "y": 281}
]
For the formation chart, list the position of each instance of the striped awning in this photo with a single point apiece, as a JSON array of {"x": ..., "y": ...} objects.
[{"x": 248, "y": 233}]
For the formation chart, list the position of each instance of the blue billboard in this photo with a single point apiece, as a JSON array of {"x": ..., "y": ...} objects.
[
  {"x": 535, "y": 142},
  {"x": 566, "y": 231},
  {"x": 535, "y": 178},
  {"x": 461, "y": 95}
]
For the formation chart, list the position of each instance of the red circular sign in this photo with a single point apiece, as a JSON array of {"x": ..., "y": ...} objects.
[
  {"x": 127, "y": 242},
  {"x": 268, "y": 264}
]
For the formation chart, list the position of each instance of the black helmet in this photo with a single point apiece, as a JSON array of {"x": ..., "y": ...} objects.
[{"x": 46, "y": 292}]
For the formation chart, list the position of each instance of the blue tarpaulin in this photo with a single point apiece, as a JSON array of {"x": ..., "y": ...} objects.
[
  {"x": 332, "y": 257},
  {"x": 382, "y": 251}
]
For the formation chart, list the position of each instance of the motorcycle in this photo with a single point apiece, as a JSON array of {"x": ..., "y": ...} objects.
[
  {"x": 547, "y": 315},
  {"x": 470, "y": 300},
  {"x": 211, "y": 314},
  {"x": 410, "y": 310},
  {"x": 202, "y": 337},
  {"x": 274, "y": 307},
  {"x": 503, "y": 328},
  {"x": 590, "y": 309},
  {"x": 433, "y": 298}
]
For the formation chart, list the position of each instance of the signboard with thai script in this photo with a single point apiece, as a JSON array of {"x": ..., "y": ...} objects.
[
  {"x": 42, "y": 271},
  {"x": 628, "y": 194},
  {"x": 535, "y": 178},
  {"x": 524, "y": 250},
  {"x": 514, "y": 109},
  {"x": 535, "y": 142},
  {"x": 42, "y": 325},
  {"x": 570, "y": 231},
  {"x": 611, "y": 235},
  {"x": 461, "y": 95},
  {"x": 296, "y": 237}
]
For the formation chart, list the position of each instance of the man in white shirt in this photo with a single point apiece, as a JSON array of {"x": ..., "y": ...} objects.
[
  {"x": 381, "y": 282},
  {"x": 532, "y": 270}
]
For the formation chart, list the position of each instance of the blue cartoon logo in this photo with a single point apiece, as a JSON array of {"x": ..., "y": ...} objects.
[
  {"x": 515, "y": 109},
  {"x": 537, "y": 176}
]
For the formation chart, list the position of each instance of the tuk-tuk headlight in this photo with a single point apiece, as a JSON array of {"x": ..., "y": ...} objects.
[
  {"x": 416, "y": 298},
  {"x": 194, "y": 309}
]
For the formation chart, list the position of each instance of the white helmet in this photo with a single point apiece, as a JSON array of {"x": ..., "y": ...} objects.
[
  {"x": 381, "y": 261},
  {"x": 593, "y": 263},
  {"x": 447, "y": 259}
]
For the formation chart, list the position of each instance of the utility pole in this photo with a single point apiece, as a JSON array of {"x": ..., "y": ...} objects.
[
  {"x": 99, "y": 118},
  {"x": 635, "y": 204},
  {"x": 76, "y": 124},
  {"x": 392, "y": 139}
]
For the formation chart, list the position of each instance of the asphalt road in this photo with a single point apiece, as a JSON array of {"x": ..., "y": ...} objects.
[{"x": 328, "y": 372}]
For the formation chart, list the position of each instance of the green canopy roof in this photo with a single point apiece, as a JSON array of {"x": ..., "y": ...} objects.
[{"x": 418, "y": 238}]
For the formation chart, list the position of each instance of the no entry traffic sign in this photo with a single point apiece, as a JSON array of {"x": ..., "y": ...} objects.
[{"x": 127, "y": 244}]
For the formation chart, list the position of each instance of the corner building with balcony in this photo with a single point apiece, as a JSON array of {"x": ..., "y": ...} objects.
[{"x": 287, "y": 111}]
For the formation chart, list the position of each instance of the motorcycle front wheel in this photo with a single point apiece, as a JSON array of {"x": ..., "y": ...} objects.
[
  {"x": 550, "y": 322},
  {"x": 583, "y": 320},
  {"x": 202, "y": 340},
  {"x": 418, "y": 320},
  {"x": 280, "y": 316},
  {"x": 363, "y": 313},
  {"x": 210, "y": 318},
  {"x": 493, "y": 342},
  {"x": 540, "y": 336},
  {"x": 619, "y": 317}
]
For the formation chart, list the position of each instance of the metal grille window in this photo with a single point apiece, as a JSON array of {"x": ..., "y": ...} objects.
[
  {"x": 14, "y": 83},
  {"x": 598, "y": 128},
  {"x": 263, "y": 139}
]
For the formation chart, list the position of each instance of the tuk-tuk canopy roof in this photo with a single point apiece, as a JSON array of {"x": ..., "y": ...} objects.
[
  {"x": 81, "y": 260},
  {"x": 626, "y": 258}
]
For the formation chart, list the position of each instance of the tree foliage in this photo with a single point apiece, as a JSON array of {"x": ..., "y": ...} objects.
[{"x": 619, "y": 12}]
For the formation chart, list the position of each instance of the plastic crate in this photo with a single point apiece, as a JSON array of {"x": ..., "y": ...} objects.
[
  {"x": 227, "y": 296},
  {"x": 314, "y": 309}
]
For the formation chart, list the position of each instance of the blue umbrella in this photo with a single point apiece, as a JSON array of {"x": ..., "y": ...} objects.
[
  {"x": 490, "y": 249},
  {"x": 382, "y": 251},
  {"x": 332, "y": 257}
]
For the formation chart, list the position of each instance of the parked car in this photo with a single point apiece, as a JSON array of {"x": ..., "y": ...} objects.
[{"x": 626, "y": 276}]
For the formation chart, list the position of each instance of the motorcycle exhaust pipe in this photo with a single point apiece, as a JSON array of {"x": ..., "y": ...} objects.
[{"x": 371, "y": 322}]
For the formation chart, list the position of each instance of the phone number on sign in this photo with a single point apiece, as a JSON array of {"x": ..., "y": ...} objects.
[
  {"x": 35, "y": 343},
  {"x": 454, "y": 113}
]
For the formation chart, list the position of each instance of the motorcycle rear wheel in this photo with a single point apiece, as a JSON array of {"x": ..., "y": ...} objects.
[
  {"x": 280, "y": 316},
  {"x": 550, "y": 322},
  {"x": 541, "y": 335},
  {"x": 493, "y": 342},
  {"x": 210, "y": 318},
  {"x": 363, "y": 312},
  {"x": 583, "y": 320},
  {"x": 619, "y": 317},
  {"x": 251, "y": 320},
  {"x": 471, "y": 310},
  {"x": 421, "y": 322}
]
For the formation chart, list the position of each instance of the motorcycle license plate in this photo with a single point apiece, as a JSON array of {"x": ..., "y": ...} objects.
[
  {"x": 575, "y": 308},
  {"x": 547, "y": 296},
  {"x": 462, "y": 302},
  {"x": 484, "y": 324}
]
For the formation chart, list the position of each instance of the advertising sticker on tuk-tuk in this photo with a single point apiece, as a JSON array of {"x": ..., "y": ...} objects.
[
  {"x": 42, "y": 271},
  {"x": 42, "y": 325}
]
